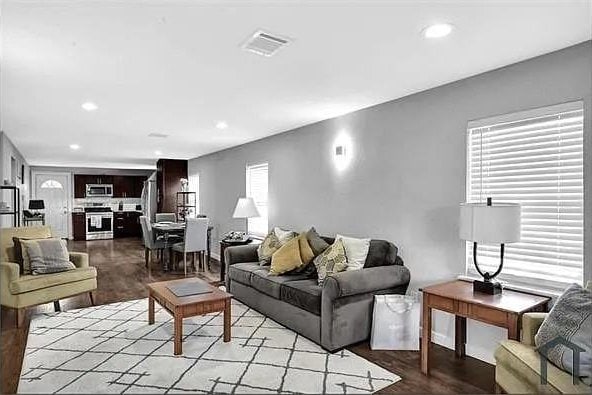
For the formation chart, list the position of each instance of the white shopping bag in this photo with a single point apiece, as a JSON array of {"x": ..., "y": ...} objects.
[{"x": 395, "y": 325}]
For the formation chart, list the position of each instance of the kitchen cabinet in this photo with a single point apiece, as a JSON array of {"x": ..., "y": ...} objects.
[
  {"x": 123, "y": 186},
  {"x": 126, "y": 224},
  {"x": 79, "y": 226},
  {"x": 79, "y": 185},
  {"x": 168, "y": 182}
]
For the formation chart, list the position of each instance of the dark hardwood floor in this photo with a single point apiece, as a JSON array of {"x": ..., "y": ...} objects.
[{"x": 122, "y": 276}]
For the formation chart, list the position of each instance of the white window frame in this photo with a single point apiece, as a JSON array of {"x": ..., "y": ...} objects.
[
  {"x": 258, "y": 226},
  {"x": 528, "y": 275},
  {"x": 194, "y": 187}
]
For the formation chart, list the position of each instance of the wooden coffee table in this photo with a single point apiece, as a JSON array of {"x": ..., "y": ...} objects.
[{"x": 188, "y": 306}]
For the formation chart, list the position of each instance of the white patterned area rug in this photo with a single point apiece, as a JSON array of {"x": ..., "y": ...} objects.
[{"x": 112, "y": 349}]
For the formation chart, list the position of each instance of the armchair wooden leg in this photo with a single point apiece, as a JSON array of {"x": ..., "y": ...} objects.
[
  {"x": 20, "y": 317},
  {"x": 92, "y": 298},
  {"x": 56, "y": 305},
  {"x": 185, "y": 263}
]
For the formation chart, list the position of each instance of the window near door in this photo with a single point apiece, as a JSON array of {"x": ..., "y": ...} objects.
[
  {"x": 534, "y": 158},
  {"x": 194, "y": 187},
  {"x": 257, "y": 188},
  {"x": 51, "y": 184}
]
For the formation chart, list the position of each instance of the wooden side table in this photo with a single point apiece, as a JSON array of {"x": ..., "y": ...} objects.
[{"x": 456, "y": 297}]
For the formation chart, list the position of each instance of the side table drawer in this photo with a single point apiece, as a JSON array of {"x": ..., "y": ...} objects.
[
  {"x": 491, "y": 316},
  {"x": 441, "y": 303}
]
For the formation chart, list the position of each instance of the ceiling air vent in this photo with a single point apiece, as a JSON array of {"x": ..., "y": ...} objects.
[
  {"x": 264, "y": 44},
  {"x": 158, "y": 135}
]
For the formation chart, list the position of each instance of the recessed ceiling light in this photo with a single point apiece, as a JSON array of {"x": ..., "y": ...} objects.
[
  {"x": 221, "y": 125},
  {"x": 74, "y": 146},
  {"x": 89, "y": 106},
  {"x": 437, "y": 30},
  {"x": 157, "y": 153},
  {"x": 158, "y": 135}
]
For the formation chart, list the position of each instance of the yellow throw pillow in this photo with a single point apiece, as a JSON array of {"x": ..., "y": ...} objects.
[
  {"x": 287, "y": 258},
  {"x": 332, "y": 260},
  {"x": 306, "y": 253}
]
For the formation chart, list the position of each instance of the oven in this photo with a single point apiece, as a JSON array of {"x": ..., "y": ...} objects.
[
  {"x": 99, "y": 190},
  {"x": 99, "y": 223}
]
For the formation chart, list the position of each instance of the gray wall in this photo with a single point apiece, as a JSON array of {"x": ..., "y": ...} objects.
[
  {"x": 8, "y": 151},
  {"x": 407, "y": 176}
]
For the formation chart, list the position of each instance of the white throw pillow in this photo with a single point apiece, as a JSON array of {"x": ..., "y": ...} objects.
[
  {"x": 356, "y": 251},
  {"x": 282, "y": 234}
]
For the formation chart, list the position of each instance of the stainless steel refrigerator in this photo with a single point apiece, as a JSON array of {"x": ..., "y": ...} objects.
[{"x": 149, "y": 197}]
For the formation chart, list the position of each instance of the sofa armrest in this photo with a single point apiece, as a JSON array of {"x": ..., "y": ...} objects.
[
  {"x": 363, "y": 281},
  {"x": 9, "y": 272},
  {"x": 238, "y": 254},
  {"x": 79, "y": 259},
  {"x": 531, "y": 322}
]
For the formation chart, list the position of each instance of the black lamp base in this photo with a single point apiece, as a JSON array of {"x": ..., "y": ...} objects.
[{"x": 487, "y": 287}]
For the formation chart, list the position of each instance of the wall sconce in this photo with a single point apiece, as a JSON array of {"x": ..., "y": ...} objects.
[{"x": 342, "y": 151}]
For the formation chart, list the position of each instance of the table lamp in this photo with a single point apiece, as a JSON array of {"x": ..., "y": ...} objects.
[
  {"x": 246, "y": 208},
  {"x": 36, "y": 205},
  {"x": 489, "y": 224}
]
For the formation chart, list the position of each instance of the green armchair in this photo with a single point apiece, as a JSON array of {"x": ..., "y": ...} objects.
[{"x": 19, "y": 291}]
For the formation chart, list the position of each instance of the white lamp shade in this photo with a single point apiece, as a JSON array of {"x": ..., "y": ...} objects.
[
  {"x": 245, "y": 208},
  {"x": 495, "y": 224}
]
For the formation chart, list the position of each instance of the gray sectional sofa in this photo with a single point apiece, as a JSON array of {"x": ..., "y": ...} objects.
[{"x": 335, "y": 315}]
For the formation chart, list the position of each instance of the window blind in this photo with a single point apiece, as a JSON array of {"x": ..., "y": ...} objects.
[
  {"x": 534, "y": 158},
  {"x": 257, "y": 188}
]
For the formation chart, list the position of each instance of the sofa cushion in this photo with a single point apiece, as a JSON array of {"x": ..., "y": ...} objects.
[
  {"x": 241, "y": 272},
  {"x": 269, "y": 284},
  {"x": 381, "y": 253},
  {"x": 28, "y": 283},
  {"x": 305, "y": 294},
  {"x": 525, "y": 362}
]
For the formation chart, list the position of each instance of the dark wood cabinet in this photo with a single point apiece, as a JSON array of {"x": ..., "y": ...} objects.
[
  {"x": 79, "y": 226},
  {"x": 126, "y": 224},
  {"x": 168, "y": 182},
  {"x": 123, "y": 186}
]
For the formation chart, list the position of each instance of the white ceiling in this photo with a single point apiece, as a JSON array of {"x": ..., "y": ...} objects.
[{"x": 176, "y": 67}]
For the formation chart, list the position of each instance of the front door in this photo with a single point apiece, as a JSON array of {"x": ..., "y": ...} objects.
[{"x": 54, "y": 189}]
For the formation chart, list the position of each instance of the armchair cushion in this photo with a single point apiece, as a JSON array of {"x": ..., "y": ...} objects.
[
  {"x": 79, "y": 259},
  {"x": 366, "y": 280},
  {"x": 531, "y": 322},
  {"x": 28, "y": 283},
  {"x": 524, "y": 362}
]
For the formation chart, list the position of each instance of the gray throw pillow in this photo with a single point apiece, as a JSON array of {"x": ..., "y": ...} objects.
[
  {"x": 47, "y": 255},
  {"x": 571, "y": 320},
  {"x": 317, "y": 244}
]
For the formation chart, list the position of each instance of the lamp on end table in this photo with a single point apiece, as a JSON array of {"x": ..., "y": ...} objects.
[
  {"x": 489, "y": 223},
  {"x": 245, "y": 208}
]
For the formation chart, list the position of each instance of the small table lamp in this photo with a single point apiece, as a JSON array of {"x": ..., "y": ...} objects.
[
  {"x": 36, "y": 205},
  {"x": 246, "y": 208},
  {"x": 489, "y": 224}
]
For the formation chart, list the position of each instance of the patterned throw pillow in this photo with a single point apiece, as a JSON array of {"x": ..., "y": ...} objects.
[
  {"x": 46, "y": 255},
  {"x": 332, "y": 260},
  {"x": 570, "y": 319},
  {"x": 284, "y": 235},
  {"x": 270, "y": 244}
]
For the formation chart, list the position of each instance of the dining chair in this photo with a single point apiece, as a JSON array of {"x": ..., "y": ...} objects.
[
  {"x": 170, "y": 217},
  {"x": 196, "y": 234},
  {"x": 150, "y": 243}
]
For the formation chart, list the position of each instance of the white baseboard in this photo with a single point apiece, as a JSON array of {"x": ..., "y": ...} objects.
[{"x": 480, "y": 353}]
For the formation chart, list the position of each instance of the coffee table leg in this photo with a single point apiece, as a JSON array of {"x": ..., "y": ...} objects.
[
  {"x": 178, "y": 333},
  {"x": 150, "y": 310},
  {"x": 227, "y": 320}
]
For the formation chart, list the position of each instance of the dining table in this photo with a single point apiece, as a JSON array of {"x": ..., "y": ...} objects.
[{"x": 173, "y": 232}]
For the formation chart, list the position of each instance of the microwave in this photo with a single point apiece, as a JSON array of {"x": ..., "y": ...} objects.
[{"x": 99, "y": 190}]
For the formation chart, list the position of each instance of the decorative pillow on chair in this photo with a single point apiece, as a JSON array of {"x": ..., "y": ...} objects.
[
  {"x": 18, "y": 254},
  {"x": 46, "y": 255},
  {"x": 356, "y": 251},
  {"x": 571, "y": 320},
  {"x": 332, "y": 260}
]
